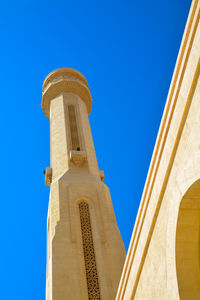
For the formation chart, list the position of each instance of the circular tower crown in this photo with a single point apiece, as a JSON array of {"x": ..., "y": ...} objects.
[{"x": 65, "y": 80}]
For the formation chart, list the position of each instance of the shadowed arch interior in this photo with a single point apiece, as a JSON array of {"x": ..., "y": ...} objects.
[{"x": 188, "y": 244}]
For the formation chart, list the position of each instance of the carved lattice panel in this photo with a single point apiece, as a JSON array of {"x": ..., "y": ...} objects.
[
  {"x": 89, "y": 254},
  {"x": 73, "y": 127}
]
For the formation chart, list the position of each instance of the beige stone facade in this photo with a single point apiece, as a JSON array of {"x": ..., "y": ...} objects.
[
  {"x": 85, "y": 252},
  {"x": 164, "y": 254}
]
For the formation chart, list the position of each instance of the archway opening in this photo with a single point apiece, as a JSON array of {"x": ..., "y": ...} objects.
[{"x": 188, "y": 244}]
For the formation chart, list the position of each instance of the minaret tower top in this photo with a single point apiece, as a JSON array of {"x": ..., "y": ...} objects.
[{"x": 65, "y": 80}]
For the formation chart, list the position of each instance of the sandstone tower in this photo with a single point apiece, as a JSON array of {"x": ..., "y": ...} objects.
[{"x": 85, "y": 252}]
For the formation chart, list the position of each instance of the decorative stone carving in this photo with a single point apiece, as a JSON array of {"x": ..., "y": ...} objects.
[
  {"x": 48, "y": 176},
  {"x": 78, "y": 157},
  {"x": 89, "y": 253}
]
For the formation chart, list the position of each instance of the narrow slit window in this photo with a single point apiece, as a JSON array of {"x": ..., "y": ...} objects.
[
  {"x": 89, "y": 253},
  {"x": 73, "y": 128}
]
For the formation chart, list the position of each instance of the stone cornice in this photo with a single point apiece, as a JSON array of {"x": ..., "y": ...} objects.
[{"x": 65, "y": 80}]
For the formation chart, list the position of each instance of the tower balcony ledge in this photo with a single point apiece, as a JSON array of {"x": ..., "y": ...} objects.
[{"x": 65, "y": 80}]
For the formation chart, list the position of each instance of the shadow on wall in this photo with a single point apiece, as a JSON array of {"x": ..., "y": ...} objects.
[{"x": 188, "y": 244}]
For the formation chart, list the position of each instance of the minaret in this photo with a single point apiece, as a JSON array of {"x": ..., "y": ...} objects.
[{"x": 85, "y": 252}]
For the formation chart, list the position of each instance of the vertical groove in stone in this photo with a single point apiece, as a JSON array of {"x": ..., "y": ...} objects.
[
  {"x": 89, "y": 254},
  {"x": 73, "y": 127}
]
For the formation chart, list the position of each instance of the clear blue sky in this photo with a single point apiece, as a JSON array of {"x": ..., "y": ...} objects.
[{"x": 127, "y": 51}]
